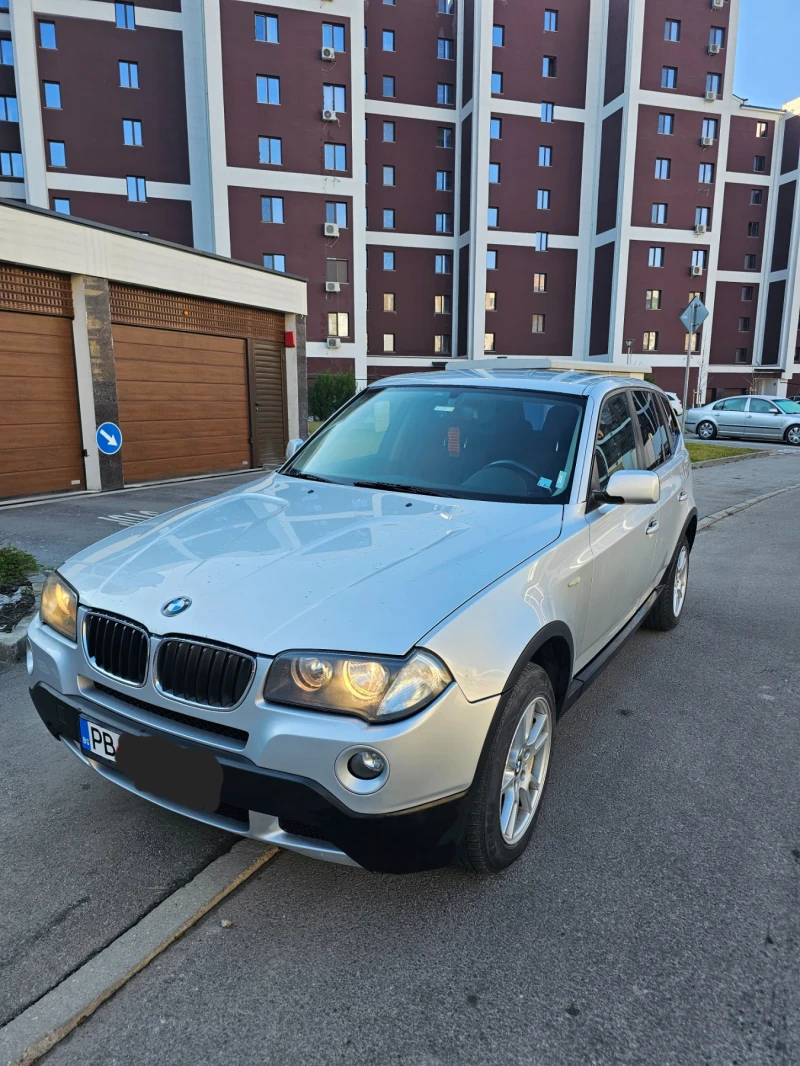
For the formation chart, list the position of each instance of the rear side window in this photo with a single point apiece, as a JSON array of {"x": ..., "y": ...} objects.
[
  {"x": 615, "y": 447},
  {"x": 671, "y": 423},
  {"x": 654, "y": 435}
]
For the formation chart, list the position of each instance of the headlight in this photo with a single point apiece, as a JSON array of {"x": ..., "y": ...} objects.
[
  {"x": 59, "y": 608},
  {"x": 378, "y": 689}
]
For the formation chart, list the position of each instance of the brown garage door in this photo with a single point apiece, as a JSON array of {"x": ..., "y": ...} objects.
[
  {"x": 183, "y": 402},
  {"x": 269, "y": 398},
  {"x": 40, "y": 437}
]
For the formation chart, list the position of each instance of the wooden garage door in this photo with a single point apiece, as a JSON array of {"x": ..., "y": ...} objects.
[
  {"x": 183, "y": 403},
  {"x": 40, "y": 437},
  {"x": 269, "y": 395}
]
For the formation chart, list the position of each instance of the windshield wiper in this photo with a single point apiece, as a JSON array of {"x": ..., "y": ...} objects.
[
  {"x": 310, "y": 477},
  {"x": 396, "y": 487}
]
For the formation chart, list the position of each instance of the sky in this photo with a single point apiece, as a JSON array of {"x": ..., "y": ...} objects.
[{"x": 767, "y": 68}]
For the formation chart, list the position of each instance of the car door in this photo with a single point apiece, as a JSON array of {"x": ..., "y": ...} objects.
[
  {"x": 622, "y": 536},
  {"x": 763, "y": 419},
  {"x": 731, "y": 418}
]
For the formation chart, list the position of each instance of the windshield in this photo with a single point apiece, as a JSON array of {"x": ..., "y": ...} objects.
[
  {"x": 473, "y": 443},
  {"x": 789, "y": 407}
]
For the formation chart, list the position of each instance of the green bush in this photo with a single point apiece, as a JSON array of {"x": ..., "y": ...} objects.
[
  {"x": 328, "y": 393},
  {"x": 16, "y": 566}
]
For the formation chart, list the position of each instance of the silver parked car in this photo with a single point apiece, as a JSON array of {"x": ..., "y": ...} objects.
[
  {"x": 754, "y": 417},
  {"x": 362, "y": 657}
]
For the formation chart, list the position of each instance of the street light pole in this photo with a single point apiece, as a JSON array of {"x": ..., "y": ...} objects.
[{"x": 629, "y": 345}]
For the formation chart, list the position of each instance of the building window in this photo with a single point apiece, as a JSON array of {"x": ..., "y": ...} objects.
[
  {"x": 493, "y": 218},
  {"x": 494, "y": 173},
  {"x": 659, "y": 215},
  {"x": 388, "y": 175},
  {"x": 442, "y": 305},
  {"x": 650, "y": 342},
  {"x": 750, "y": 262},
  {"x": 336, "y": 211},
  {"x": 666, "y": 123},
  {"x": 388, "y": 260},
  {"x": 61, "y": 206},
  {"x": 267, "y": 28},
  {"x": 537, "y": 324},
  {"x": 663, "y": 169},
  {"x": 52, "y": 94},
  {"x": 488, "y": 342},
  {"x": 491, "y": 259},
  {"x": 762, "y": 129},
  {"x": 498, "y": 36},
  {"x": 387, "y": 40},
  {"x": 490, "y": 303},
  {"x": 545, "y": 156},
  {"x": 443, "y": 264},
  {"x": 389, "y": 132},
  {"x": 444, "y": 180},
  {"x": 759, "y": 164},
  {"x": 47, "y": 35},
  {"x": 388, "y": 218},
  {"x": 541, "y": 241},
  {"x": 335, "y": 157},
  {"x": 497, "y": 82},
  {"x": 445, "y": 48},
  {"x": 125, "y": 16},
  {"x": 270, "y": 151},
  {"x": 550, "y": 20},
  {"x": 388, "y": 342},
  {"x": 11, "y": 165},
  {"x": 701, "y": 216},
  {"x": 444, "y": 137},
  {"x": 655, "y": 257},
  {"x": 132, "y": 132},
  {"x": 548, "y": 66},
  {"x": 495, "y": 129},
  {"x": 741, "y": 355},
  {"x": 128, "y": 75},
  {"x": 388, "y": 86},
  {"x": 6, "y": 53},
  {"x": 706, "y": 174},
  {"x": 444, "y": 93},
  {"x": 446, "y": 7},
  {"x": 268, "y": 90},
  {"x": 441, "y": 344},
  {"x": 744, "y": 325},
  {"x": 333, "y": 36},
  {"x": 700, "y": 258},
  {"x": 710, "y": 128},
  {"x": 669, "y": 77},
  {"x": 540, "y": 282},
  {"x": 716, "y": 37},
  {"x": 672, "y": 30},
  {"x": 273, "y": 261},
  {"x": 753, "y": 229},
  {"x": 695, "y": 342},
  {"x": 756, "y": 197},
  {"x": 272, "y": 209},
  {"x": 713, "y": 83},
  {"x": 543, "y": 199},
  {"x": 444, "y": 222},
  {"x": 334, "y": 98},
  {"x": 797, "y": 355},
  {"x": 137, "y": 189},
  {"x": 9, "y": 112},
  {"x": 747, "y": 292},
  {"x": 337, "y": 270},
  {"x": 57, "y": 153},
  {"x": 547, "y": 112},
  {"x": 388, "y": 301},
  {"x": 338, "y": 324},
  {"x": 652, "y": 300}
]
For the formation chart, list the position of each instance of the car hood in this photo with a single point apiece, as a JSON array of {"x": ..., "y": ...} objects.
[{"x": 289, "y": 563}]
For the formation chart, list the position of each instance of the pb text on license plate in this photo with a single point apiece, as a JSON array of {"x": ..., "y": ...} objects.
[{"x": 99, "y": 741}]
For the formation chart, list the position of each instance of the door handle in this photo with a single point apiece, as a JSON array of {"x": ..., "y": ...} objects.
[
  {"x": 652, "y": 528},
  {"x": 683, "y": 496}
]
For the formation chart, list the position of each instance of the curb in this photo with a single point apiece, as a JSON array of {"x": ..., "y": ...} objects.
[
  {"x": 12, "y": 645},
  {"x": 717, "y": 516},
  {"x": 733, "y": 459}
]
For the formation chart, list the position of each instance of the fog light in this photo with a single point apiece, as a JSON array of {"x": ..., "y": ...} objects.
[
  {"x": 366, "y": 765},
  {"x": 29, "y": 657}
]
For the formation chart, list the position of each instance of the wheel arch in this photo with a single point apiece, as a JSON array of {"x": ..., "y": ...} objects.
[{"x": 552, "y": 648}]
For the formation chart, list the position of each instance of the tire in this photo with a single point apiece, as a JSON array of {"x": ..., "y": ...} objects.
[
  {"x": 792, "y": 435},
  {"x": 706, "y": 431},
  {"x": 485, "y": 848},
  {"x": 668, "y": 608}
]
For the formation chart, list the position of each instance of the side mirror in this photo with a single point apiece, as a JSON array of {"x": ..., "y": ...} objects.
[
  {"x": 631, "y": 486},
  {"x": 294, "y": 445}
]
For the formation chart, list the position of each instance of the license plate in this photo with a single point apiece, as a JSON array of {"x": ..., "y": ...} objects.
[{"x": 98, "y": 741}]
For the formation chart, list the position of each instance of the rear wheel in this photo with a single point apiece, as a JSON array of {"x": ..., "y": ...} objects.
[
  {"x": 792, "y": 435},
  {"x": 668, "y": 608},
  {"x": 706, "y": 431}
]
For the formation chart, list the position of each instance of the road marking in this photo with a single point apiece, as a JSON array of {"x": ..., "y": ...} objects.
[
  {"x": 129, "y": 518},
  {"x": 717, "y": 516},
  {"x": 45, "y": 1023}
]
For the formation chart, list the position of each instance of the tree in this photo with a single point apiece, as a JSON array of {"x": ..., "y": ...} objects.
[{"x": 328, "y": 393}]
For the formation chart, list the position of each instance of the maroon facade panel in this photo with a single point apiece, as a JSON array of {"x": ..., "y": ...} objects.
[
  {"x": 296, "y": 61},
  {"x": 774, "y": 321},
  {"x": 300, "y": 238},
  {"x": 468, "y": 7},
  {"x": 9, "y": 131},
  {"x": 93, "y": 104},
  {"x": 517, "y": 303},
  {"x": 521, "y": 176},
  {"x": 415, "y": 158},
  {"x": 740, "y": 218},
  {"x": 682, "y": 191},
  {"x": 608, "y": 186},
  {"x": 673, "y": 282},
  {"x": 521, "y": 59},
  {"x": 717, "y": 386},
  {"x": 413, "y": 64},
  {"x": 791, "y": 144},
  {"x": 169, "y": 220},
  {"x": 616, "y": 49},
  {"x": 783, "y": 225},
  {"x": 746, "y": 148},
  {"x": 688, "y": 55},
  {"x": 320, "y": 364},
  {"x": 375, "y": 373},
  {"x": 414, "y": 284},
  {"x": 602, "y": 287},
  {"x": 463, "y": 301},
  {"x": 734, "y": 321}
]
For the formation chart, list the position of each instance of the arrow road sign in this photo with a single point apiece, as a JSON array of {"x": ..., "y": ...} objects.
[
  {"x": 694, "y": 315},
  {"x": 109, "y": 438}
]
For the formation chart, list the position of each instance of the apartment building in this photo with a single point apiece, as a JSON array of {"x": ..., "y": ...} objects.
[{"x": 521, "y": 177}]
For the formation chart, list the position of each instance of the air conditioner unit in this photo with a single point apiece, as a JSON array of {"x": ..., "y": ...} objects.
[
  {"x": 717, "y": 5},
  {"x": 334, "y": 342},
  {"x": 700, "y": 230},
  {"x": 331, "y": 116},
  {"x": 707, "y": 142},
  {"x": 697, "y": 271},
  {"x": 328, "y": 53},
  {"x": 331, "y": 229},
  {"x": 713, "y": 49},
  {"x": 710, "y": 97},
  {"x": 332, "y": 286}
]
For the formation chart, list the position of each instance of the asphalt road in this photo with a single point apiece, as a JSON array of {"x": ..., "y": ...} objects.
[{"x": 655, "y": 918}]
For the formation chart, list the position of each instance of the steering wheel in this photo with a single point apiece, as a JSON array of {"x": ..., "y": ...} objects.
[{"x": 512, "y": 464}]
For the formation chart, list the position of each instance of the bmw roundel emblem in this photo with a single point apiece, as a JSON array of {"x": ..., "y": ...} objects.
[{"x": 176, "y": 606}]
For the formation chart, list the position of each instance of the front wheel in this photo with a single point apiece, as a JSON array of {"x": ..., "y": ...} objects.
[
  {"x": 706, "y": 431},
  {"x": 507, "y": 794},
  {"x": 792, "y": 435},
  {"x": 668, "y": 608}
]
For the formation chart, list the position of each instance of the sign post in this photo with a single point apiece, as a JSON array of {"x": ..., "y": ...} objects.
[{"x": 692, "y": 318}]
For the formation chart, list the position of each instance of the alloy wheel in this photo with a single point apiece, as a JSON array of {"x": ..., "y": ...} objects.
[
  {"x": 681, "y": 581},
  {"x": 793, "y": 435},
  {"x": 525, "y": 770}
]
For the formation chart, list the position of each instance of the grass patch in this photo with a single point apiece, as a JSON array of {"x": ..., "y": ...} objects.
[
  {"x": 699, "y": 453},
  {"x": 16, "y": 566},
  {"x": 313, "y": 427}
]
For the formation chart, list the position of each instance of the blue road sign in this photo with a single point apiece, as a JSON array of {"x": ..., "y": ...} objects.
[
  {"x": 109, "y": 438},
  {"x": 694, "y": 315}
]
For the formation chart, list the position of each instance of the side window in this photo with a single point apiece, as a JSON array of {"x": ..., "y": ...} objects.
[
  {"x": 736, "y": 403},
  {"x": 761, "y": 407},
  {"x": 654, "y": 437},
  {"x": 719, "y": 406},
  {"x": 615, "y": 448},
  {"x": 671, "y": 422}
]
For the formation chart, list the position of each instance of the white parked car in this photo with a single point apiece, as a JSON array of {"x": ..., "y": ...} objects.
[{"x": 675, "y": 403}]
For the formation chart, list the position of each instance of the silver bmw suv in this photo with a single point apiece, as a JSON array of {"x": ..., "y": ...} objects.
[{"x": 362, "y": 657}]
